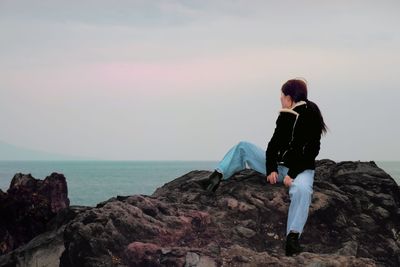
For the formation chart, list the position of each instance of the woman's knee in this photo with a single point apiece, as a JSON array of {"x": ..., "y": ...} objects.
[
  {"x": 244, "y": 144},
  {"x": 242, "y": 147}
]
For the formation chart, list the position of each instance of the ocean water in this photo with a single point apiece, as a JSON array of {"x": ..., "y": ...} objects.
[{"x": 91, "y": 182}]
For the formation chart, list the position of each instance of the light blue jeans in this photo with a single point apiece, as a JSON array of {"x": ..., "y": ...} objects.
[{"x": 247, "y": 154}]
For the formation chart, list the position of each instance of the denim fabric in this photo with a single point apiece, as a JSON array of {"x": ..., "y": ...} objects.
[{"x": 245, "y": 154}]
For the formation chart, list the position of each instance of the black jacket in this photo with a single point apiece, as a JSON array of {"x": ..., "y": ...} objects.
[{"x": 296, "y": 140}]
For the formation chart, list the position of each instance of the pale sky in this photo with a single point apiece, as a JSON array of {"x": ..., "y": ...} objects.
[{"x": 186, "y": 80}]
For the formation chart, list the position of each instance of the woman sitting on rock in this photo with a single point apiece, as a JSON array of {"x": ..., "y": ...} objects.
[{"x": 289, "y": 158}]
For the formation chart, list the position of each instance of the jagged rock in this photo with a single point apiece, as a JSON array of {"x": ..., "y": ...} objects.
[
  {"x": 354, "y": 220},
  {"x": 44, "y": 250},
  {"x": 28, "y": 206}
]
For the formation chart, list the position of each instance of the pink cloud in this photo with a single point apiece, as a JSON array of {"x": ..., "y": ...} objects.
[
  {"x": 162, "y": 75},
  {"x": 182, "y": 75}
]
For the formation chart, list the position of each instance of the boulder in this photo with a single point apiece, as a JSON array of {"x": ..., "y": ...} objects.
[
  {"x": 354, "y": 220},
  {"x": 44, "y": 250},
  {"x": 28, "y": 206}
]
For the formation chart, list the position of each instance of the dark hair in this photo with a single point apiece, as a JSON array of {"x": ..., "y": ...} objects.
[{"x": 297, "y": 90}]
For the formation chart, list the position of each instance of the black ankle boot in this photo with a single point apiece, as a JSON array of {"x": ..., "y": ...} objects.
[
  {"x": 292, "y": 244},
  {"x": 214, "y": 181}
]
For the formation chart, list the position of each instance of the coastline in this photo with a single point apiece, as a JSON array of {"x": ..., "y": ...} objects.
[
  {"x": 106, "y": 179},
  {"x": 182, "y": 223}
]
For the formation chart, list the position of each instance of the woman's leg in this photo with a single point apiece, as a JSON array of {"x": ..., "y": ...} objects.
[
  {"x": 238, "y": 156},
  {"x": 300, "y": 199}
]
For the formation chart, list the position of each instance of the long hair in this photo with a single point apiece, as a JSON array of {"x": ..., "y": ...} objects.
[{"x": 297, "y": 90}]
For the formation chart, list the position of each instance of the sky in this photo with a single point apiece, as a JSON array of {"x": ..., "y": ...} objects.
[{"x": 187, "y": 80}]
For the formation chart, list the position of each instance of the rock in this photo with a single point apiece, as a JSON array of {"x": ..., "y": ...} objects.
[
  {"x": 354, "y": 220},
  {"x": 251, "y": 258},
  {"x": 140, "y": 254},
  {"x": 349, "y": 249},
  {"x": 46, "y": 249},
  {"x": 28, "y": 206},
  {"x": 192, "y": 259},
  {"x": 246, "y": 232}
]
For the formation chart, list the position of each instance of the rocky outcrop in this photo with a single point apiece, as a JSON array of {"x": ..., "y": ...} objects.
[
  {"x": 28, "y": 206},
  {"x": 354, "y": 220},
  {"x": 44, "y": 250}
]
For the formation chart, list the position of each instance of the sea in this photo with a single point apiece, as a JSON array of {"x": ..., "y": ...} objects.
[{"x": 91, "y": 182}]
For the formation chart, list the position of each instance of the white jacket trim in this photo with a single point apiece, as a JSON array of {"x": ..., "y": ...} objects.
[{"x": 290, "y": 110}]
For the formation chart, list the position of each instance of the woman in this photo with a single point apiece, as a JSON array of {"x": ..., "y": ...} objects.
[{"x": 289, "y": 158}]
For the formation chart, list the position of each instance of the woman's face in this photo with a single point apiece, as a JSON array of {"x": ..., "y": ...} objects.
[{"x": 286, "y": 101}]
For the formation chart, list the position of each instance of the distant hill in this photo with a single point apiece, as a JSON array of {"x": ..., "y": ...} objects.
[{"x": 12, "y": 152}]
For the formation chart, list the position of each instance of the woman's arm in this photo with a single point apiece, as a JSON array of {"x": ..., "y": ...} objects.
[
  {"x": 305, "y": 147},
  {"x": 281, "y": 136},
  {"x": 272, "y": 151}
]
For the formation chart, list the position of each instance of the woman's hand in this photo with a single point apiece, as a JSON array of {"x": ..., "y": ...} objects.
[
  {"x": 272, "y": 177},
  {"x": 287, "y": 181}
]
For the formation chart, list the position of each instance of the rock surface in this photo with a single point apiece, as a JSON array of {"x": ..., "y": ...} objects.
[
  {"x": 45, "y": 250},
  {"x": 28, "y": 206},
  {"x": 354, "y": 220}
]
